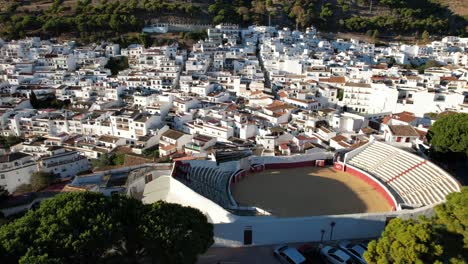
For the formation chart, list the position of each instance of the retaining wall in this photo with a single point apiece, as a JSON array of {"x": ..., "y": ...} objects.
[
  {"x": 269, "y": 230},
  {"x": 284, "y": 162}
]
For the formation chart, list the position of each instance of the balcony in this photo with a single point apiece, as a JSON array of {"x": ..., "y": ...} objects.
[
  {"x": 192, "y": 146},
  {"x": 54, "y": 164}
]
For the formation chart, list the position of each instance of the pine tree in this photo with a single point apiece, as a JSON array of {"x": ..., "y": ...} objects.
[{"x": 33, "y": 100}]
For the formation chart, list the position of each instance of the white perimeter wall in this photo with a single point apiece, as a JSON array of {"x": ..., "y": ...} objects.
[
  {"x": 290, "y": 159},
  {"x": 268, "y": 230}
]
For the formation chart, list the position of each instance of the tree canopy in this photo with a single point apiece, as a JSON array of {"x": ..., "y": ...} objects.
[
  {"x": 86, "y": 227},
  {"x": 103, "y": 19},
  {"x": 116, "y": 64},
  {"x": 449, "y": 134},
  {"x": 454, "y": 214},
  {"x": 405, "y": 242},
  {"x": 441, "y": 239},
  {"x": 41, "y": 179}
]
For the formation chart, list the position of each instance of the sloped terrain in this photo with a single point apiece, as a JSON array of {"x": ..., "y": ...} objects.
[{"x": 90, "y": 20}]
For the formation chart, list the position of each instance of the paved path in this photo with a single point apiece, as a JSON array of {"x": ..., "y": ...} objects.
[{"x": 250, "y": 255}]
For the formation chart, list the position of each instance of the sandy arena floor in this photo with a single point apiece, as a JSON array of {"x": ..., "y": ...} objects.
[{"x": 308, "y": 191}]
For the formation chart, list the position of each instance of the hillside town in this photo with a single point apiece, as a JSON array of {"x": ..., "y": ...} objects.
[{"x": 261, "y": 90}]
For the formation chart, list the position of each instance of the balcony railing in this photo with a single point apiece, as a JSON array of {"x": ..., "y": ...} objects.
[{"x": 192, "y": 146}]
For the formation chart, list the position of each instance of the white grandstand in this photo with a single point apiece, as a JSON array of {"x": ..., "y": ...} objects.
[{"x": 417, "y": 181}]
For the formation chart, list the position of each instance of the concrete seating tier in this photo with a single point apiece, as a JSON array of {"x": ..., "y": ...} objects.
[
  {"x": 210, "y": 182},
  {"x": 417, "y": 181}
]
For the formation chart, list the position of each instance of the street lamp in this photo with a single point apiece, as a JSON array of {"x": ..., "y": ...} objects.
[{"x": 332, "y": 225}]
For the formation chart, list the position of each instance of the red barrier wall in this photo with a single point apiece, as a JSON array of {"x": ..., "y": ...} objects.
[
  {"x": 368, "y": 179},
  {"x": 289, "y": 165},
  {"x": 338, "y": 166}
]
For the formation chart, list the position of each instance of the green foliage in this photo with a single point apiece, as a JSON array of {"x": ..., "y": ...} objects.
[
  {"x": 118, "y": 159},
  {"x": 340, "y": 94},
  {"x": 71, "y": 228},
  {"x": 82, "y": 227},
  {"x": 3, "y": 195},
  {"x": 375, "y": 36},
  {"x": 326, "y": 11},
  {"x": 449, "y": 134},
  {"x": 8, "y": 141},
  {"x": 168, "y": 224},
  {"x": 116, "y": 64},
  {"x": 151, "y": 153},
  {"x": 33, "y": 100},
  {"x": 391, "y": 62},
  {"x": 103, "y": 161},
  {"x": 145, "y": 40},
  {"x": 41, "y": 179},
  {"x": 453, "y": 214},
  {"x": 49, "y": 102},
  {"x": 406, "y": 242},
  {"x": 442, "y": 239},
  {"x": 24, "y": 188},
  {"x": 195, "y": 35},
  {"x": 427, "y": 65},
  {"x": 103, "y": 19},
  {"x": 425, "y": 36}
]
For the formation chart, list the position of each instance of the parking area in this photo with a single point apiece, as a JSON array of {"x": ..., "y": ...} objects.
[
  {"x": 254, "y": 255},
  {"x": 259, "y": 254}
]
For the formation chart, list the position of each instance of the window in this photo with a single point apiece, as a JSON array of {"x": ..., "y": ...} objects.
[
  {"x": 336, "y": 257},
  {"x": 398, "y": 139},
  {"x": 2, "y": 176},
  {"x": 407, "y": 140}
]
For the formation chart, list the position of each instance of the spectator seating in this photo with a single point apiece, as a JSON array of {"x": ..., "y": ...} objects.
[
  {"x": 210, "y": 182},
  {"x": 417, "y": 181}
]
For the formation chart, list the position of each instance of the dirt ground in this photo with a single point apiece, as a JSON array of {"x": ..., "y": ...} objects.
[{"x": 308, "y": 191}]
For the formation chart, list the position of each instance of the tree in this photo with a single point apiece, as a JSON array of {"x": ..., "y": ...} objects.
[
  {"x": 87, "y": 227},
  {"x": 326, "y": 11},
  {"x": 41, "y": 179},
  {"x": 9, "y": 141},
  {"x": 116, "y": 64},
  {"x": 3, "y": 194},
  {"x": 70, "y": 228},
  {"x": 392, "y": 61},
  {"x": 33, "y": 100},
  {"x": 102, "y": 161},
  {"x": 144, "y": 39},
  {"x": 454, "y": 214},
  {"x": 299, "y": 14},
  {"x": 406, "y": 241},
  {"x": 441, "y": 239},
  {"x": 449, "y": 134},
  {"x": 118, "y": 159},
  {"x": 425, "y": 36},
  {"x": 182, "y": 233},
  {"x": 375, "y": 36}
]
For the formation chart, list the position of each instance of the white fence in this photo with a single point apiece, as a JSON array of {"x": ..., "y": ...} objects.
[
  {"x": 290, "y": 159},
  {"x": 273, "y": 230}
]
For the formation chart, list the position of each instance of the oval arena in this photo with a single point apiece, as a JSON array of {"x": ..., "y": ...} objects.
[
  {"x": 262, "y": 200},
  {"x": 308, "y": 191}
]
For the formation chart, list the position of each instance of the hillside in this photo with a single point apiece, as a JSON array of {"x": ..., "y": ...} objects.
[
  {"x": 459, "y": 7},
  {"x": 90, "y": 20}
]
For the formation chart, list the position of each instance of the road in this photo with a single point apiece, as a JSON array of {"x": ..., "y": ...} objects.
[{"x": 250, "y": 255}]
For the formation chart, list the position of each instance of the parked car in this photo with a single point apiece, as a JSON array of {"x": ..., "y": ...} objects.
[
  {"x": 311, "y": 253},
  {"x": 335, "y": 255},
  {"x": 289, "y": 255},
  {"x": 356, "y": 250}
]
